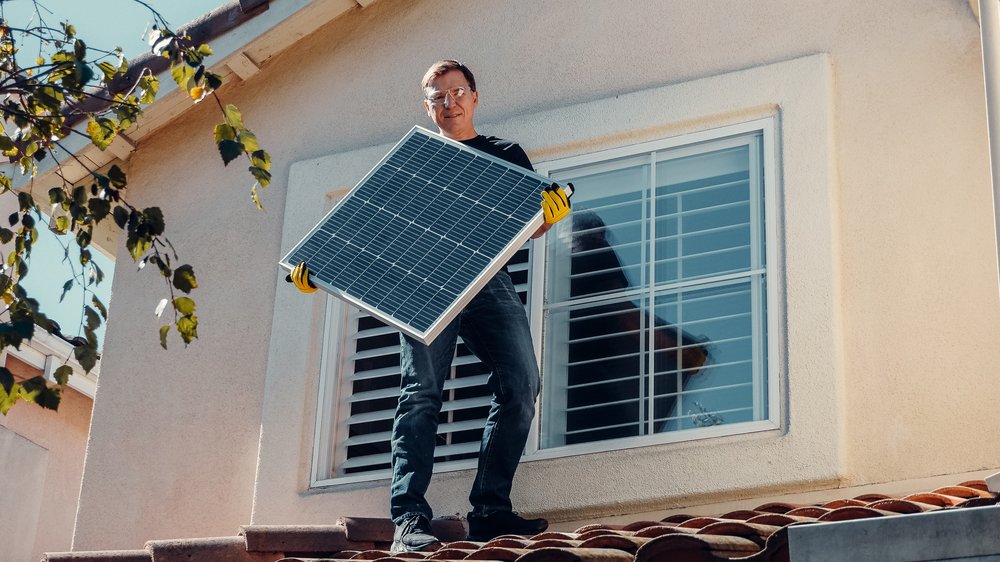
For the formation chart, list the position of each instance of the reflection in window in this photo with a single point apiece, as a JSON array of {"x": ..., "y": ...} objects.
[{"x": 655, "y": 295}]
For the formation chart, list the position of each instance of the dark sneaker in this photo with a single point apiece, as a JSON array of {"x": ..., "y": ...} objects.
[
  {"x": 483, "y": 528},
  {"x": 412, "y": 534}
]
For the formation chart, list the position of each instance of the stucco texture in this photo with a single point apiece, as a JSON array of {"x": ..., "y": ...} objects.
[{"x": 888, "y": 288}]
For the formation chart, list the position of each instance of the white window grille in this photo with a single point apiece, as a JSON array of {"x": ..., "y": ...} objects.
[{"x": 663, "y": 261}]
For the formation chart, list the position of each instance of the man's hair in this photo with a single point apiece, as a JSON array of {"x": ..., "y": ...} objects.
[{"x": 444, "y": 66}]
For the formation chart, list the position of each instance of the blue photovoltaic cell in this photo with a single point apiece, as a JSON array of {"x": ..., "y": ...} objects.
[{"x": 412, "y": 237}]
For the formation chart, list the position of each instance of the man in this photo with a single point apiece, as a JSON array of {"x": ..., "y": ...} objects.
[{"x": 493, "y": 325}]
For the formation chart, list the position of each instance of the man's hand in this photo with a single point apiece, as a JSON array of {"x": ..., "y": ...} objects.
[
  {"x": 555, "y": 203},
  {"x": 300, "y": 278}
]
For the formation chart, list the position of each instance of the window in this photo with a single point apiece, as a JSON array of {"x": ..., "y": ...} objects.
[
  {"x": 654, "y": 322},
  {"x": 656, "y": 293}
]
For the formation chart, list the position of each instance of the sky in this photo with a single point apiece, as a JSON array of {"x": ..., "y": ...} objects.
[{"x": 104, "y": 24}]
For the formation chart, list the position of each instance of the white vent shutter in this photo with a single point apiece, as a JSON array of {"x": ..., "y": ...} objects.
[{"x": 369, "y": 366}]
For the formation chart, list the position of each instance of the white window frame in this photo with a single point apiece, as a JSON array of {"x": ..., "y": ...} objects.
[
  {"x": 766, "y": 127},
  {"x": 329, "y": 392}
]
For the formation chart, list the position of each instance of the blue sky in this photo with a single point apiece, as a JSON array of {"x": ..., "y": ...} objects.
[{"x": 103, "y": 24}]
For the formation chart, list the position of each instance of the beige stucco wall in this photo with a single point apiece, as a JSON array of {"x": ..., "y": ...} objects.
[
  {"x": 41, "y": 460},
  {"x": 888, "y": 290}
]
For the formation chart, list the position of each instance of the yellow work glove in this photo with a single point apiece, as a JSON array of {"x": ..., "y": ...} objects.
[
  {"x": 300, "y": 278},
  {"x": 555, "y": 203}
]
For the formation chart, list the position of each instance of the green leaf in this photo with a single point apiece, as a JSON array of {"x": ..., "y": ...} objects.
[
  {"x": 35, "y": 390},
  {"x": 121, "y": 216},
  {"x": 62, "y": 224},
  {"x": 183, "y": 75},
  {"x": 56, "y": 195},
  {"x": 25, "y": 202},
  {"x": 93, "y": 320},
  {"x": 248, "y": 140},
  {"x": 117, "y": 177},
  {"x": 153, "y": 218},
  {"x": 229, "y": 150},
  {"x": 102, "y": 131},
  {"x": 213, "y": 81},
  {"x": 262, "y": 175},
  {"x": 184, "y": 305},
  {"x": 86, "y": 354},
  {"x": 188, "y": 327},
  {"x": 204, "y": 50},
  {"x": 164, "y": 330},
  {"x": 255, "y": 197},
  {"x": 62, "y": 374},
  {"x": 184, "y": 279},
  {"x": 6, "y": 235},
  {"x": 66, "y": 288},
  {"x": 6, "y": 379},
  {"x": 261, "y": 159},
  {"x": 233, "y": 116},
  {"x": 99, "y": 306},
  {"x": 82, "y": 73},
  {"x": 80, "y": 50},
  {"x": 150, "y": 87},
  {"x": 224, "y": 132},
  {"x": 109, "y": 70},
  {"x": 5, "y": 143},
  {"x": 99, "y": 208}
]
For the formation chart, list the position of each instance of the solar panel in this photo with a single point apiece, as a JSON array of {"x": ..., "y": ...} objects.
[{"x": 422, "y": 232}]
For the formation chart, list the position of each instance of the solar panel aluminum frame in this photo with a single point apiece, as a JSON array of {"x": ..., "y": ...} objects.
[{"x": 508, "y": 251}]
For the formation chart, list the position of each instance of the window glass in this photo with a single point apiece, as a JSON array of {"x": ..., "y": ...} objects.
[{"x": 655, "y": 295}]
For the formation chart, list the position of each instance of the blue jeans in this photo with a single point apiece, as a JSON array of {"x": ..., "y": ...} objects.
[{"x": 494, "y": 326}]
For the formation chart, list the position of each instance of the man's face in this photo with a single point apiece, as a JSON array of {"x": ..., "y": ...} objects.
[{"x": 451, "y": 113}]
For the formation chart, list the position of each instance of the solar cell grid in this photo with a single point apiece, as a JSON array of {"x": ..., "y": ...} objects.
[{"x": 421, "y": 233}]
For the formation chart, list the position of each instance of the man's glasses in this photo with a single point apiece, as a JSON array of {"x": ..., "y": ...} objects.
[{"x": 437, "y": 97}]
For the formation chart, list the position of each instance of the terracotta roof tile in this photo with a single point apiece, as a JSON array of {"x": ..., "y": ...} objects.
[{"x": 751, "y": 535}]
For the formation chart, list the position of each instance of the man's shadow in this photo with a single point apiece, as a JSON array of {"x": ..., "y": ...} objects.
[{"x": 609, "y": 348}]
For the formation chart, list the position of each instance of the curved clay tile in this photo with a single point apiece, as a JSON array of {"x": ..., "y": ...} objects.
[
  {"x": 872, "y": 497},
  {"x": 976, "y": 484},
  {"x": 777, "y": 507},
  {"x": 740, "y": 514},
  {"x": 738, "y": 529},
  {"x": 813, "y": 511},
  {"x": 844, "y": 503},
  {"x": 978, "y": 502},
  {"x": 639, "y": 525},
  {"x": 576, "y": 555},
  {"x": 852, "y": 512},
  {"x": 595, "y": 526},
  {"x": 401, "y": 557},
  {"x": 932, "y": 498},
  {"x": 450, "y": 554},
  {"x": 465, "y": 545},
  {"x": 651, "y": 532},
  {"x": 698, "y": 522},
  {"x": 494, "y": 553},
  {"x": 901, "y": 506},
  {"x": 678, "y": 518},
  {"x": 509, "y": 541},
  {"x": 620, "y": 542},
  {"x": 777, "y": 519},
  {"x": 602, "y": 532},
  {"x": 558, "y": 535},
  {"x": 695, "y": 548},
  {"x": 962, "y": 492},
  {"x": 370, "y": 555},
  {"x": 556, "y": 543}
]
